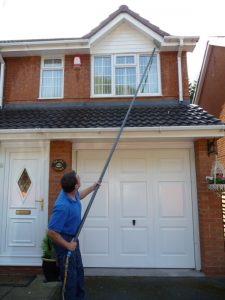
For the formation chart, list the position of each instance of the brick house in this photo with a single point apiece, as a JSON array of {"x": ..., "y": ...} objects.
[
  {"x": 210, "y": 95},
  {"x": 150, "y": 212}
]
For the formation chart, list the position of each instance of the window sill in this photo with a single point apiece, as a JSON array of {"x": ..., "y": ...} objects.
[
  {"x": 125, "y": 96},
  {"x": 56, "y": 98}
]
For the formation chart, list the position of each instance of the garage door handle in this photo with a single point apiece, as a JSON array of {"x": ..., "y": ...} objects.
[{"x": 134, "y": 222}]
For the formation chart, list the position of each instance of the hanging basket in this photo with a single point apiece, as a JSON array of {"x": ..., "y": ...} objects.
[
  {"x": 216, "y": 187},
  {"x": 216, "y": 182}
]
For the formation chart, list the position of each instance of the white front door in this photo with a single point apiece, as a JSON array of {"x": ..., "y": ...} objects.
[
  {"x": 142, "y": 216},
  {"x": 25, "y": 207}
]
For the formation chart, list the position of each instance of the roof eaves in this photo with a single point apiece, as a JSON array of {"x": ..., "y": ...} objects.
[{"x": 40, "y": 42}]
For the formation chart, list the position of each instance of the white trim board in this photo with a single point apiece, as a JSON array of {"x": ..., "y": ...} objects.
[{"x": 129, "y": 133}]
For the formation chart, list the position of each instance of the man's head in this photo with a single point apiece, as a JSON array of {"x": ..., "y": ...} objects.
[{"x": 70, "y": 182}]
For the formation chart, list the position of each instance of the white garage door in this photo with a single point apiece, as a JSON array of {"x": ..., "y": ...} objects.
[{"x": 142, "y": 215}]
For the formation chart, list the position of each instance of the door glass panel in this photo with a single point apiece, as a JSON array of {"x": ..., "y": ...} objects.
[{"x": 24, "y": 183}]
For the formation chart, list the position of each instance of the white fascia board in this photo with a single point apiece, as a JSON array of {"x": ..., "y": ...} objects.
[
  {"x": 174, "y": 38},
  {"x": 124, "y": 17},
  {"x": 44, "y": 45},
  {"x": 110, "y": 133},
  {"x": 201, "y": 78}
]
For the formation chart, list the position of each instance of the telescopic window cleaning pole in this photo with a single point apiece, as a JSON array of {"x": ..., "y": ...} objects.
[{"x": 144, "y": 77}]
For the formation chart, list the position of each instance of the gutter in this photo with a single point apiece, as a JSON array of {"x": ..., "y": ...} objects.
[
  {"x": 179, "y": 65},
  {"x": 108, "y": 134},
  {"x": 47, "y": 42},
  {"x": 115, "y": 129},
  {"x": 2, "y": 76}
]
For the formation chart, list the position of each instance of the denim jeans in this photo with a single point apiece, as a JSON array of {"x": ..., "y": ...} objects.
[{"x": 74, "y": 289}]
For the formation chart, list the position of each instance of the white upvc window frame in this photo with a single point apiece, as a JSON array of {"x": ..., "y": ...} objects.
[
  {"x": 43, "y": 58},
  {"x": 136, "y": 64}
]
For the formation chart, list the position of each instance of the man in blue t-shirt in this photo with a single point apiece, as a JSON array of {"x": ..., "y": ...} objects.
[{"x": 64, "y": 222}]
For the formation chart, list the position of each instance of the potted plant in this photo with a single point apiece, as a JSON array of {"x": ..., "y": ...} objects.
[{"x": 49, "y": 265}]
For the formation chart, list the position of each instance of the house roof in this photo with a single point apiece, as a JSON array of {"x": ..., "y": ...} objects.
[
  {"x": 210, "y": 91},
  {"x": 102, "y": 115},
  {"x": 66, "y": 46},
  {"x": 125, "y": 9}
]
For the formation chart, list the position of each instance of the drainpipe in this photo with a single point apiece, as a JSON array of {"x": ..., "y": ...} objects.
[
  {"x": 2, "y": 75},
  {"x": 179, "y": 64}
]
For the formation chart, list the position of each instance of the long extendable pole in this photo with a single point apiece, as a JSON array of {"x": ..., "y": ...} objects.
[{"x": 144, "y": 76}]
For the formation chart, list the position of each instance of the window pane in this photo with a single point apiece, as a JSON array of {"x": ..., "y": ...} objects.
[
  {"x": 125, "y": 60},
  {"x": 56, "y": 62},
  {"x": 24, "y": 183},
  {"x": 150, "y": 83},
  {"x": 52, "y": 83},
  {"x": 102, "y": 75},
  {"x": 125, "y": 81}
]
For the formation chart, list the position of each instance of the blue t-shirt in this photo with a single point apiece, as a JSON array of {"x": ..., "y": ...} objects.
[{"x": 66, "y": 215}]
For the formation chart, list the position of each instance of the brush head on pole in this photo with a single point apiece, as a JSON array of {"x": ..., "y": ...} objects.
[{"x": 157, "y": 44}]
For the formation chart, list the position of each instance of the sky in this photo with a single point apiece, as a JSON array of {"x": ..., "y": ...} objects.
[{"x": 34, "y": 19}]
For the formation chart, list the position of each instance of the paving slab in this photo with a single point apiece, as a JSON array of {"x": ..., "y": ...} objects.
[{"x": 37, "y": 290}]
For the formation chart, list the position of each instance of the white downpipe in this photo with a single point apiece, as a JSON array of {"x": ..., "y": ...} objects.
[
  {"x": 2, "y": 76},
  {"x": 179, "y": 64}
]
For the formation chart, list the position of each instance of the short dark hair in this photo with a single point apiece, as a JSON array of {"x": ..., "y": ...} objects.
[{"x": 68, "y": 181}]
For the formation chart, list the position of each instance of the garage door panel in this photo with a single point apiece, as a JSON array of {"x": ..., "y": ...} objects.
[
  {"x": 134, "y": 199},
  {"x": 134, "y": 241},
  {"x": 100, "y": 207},
  {"x": 172, "y": 199},
  {"x": 175, "y": 249},
  {"x": 171, "y": 165},
  {"x": 93, "y": 234},
  {"x": 133, "y": 166},
  {"x": 173, "y": 240}
]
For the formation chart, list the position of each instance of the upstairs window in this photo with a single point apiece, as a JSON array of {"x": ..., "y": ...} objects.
[
  {"x": 102, "y": 76},
  {"x": 119, "y": 75},
  {"x": 125, "y": 75},
  {"x": 52, "y": 78}
]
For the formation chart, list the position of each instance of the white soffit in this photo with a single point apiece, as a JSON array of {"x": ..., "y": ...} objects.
[{"x": 172, "y": 43}]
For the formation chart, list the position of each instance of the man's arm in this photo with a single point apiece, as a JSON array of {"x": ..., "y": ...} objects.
[
  {"x": 57, "y": 239},
  {"x": 88, "y": 190}
]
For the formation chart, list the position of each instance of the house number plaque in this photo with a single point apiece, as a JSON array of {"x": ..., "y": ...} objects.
[
  {"x": 59, "y": 164},
  {"x": 23, "y": 212}
]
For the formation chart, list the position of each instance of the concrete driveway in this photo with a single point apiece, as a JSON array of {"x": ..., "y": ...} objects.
[
  {"x": 125, "y": 288},
  {"x": 155, "y": 288}
]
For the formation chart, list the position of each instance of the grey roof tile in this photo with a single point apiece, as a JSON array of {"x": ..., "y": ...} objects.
[{"x": 102, "y": 115}]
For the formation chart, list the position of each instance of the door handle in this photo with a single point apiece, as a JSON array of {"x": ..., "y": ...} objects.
[
  {"x": 41, "y": 201},
  {"x": 133, "y": 222}
]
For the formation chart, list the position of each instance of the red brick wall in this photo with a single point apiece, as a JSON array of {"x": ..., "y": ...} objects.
[
  {"x": 212, "y": 95},
  {"x": 22, "y": 79},
  {"x": 77, "y": 83},
  {"x": 210, "y": 215},
  {"x": 58, "y": 150}
]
